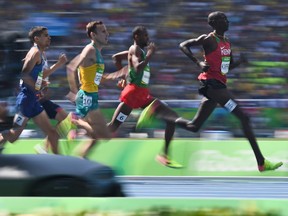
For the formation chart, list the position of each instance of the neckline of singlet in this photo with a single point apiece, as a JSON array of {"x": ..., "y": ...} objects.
[
  {"x": 218, "y": 38},
  {"x": 97, "y": 50},
  {"x": 43, "y": 57}
]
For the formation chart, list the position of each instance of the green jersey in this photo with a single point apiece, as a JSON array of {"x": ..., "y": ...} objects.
[{"x": 141, "y": 78}]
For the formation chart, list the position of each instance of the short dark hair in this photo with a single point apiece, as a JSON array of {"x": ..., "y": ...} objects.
[
  {"x": 212, "y": 17},
  {"x": 36, "y": 31},
  {"x": 92, "y": 27},
  {"x": 138, "y": 30}
]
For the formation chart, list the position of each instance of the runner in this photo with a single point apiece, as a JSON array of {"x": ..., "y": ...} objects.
[
  {"x": 54, "y": 111},
  {"x": 33, "y": 72},
  {"x": 218, "y": 60},
  {"x": 91, "y": 67},
  {"x": 136, "y": 93}
]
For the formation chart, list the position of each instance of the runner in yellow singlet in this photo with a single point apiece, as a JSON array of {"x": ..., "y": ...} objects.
[{"x": 90, "y": 67}]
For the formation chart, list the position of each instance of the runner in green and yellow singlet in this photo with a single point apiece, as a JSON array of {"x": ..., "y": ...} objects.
[{"x": 90, "y": 67}]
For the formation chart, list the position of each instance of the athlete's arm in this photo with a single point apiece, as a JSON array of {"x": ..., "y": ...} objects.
[
  {"x": 32, "y": 58},
  {"x": 116, "y": 75},
  {"x": 185, "y": 47},
  {"x": 122, "y": 71},
  {"x": 72, "y": 74},
  {"x": 135, "y": 57},
  {"x": 61, "y": 61},
  {"x": 119, "y": 57}
]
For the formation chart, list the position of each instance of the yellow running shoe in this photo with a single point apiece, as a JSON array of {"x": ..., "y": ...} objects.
[
  {"x": 166, "y": 161},
  {"x": 268, "y": 166},
  {"x": 146, "y": 116},
  {"x": 66, "y": 125}
]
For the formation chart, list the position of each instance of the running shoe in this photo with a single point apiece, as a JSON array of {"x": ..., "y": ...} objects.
[
  {"x": 40, "y": 149},
  {"x": 267, "y": 166},
  {"x": 146, "y": 116},
  {"x": 72, "y": 134},
  {"x": 66, "y": 125},
  {"x": 166, "y": 161}
]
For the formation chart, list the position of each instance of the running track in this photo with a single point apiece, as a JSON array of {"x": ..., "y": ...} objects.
[{"x": 206, "y": 187}]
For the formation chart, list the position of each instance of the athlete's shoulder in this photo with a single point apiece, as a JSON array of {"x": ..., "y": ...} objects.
[
  {"x": 202, "y": 38},
  {"x": 134, "y": 49},
  {"x": 88, "y": 51},
  {"x": 33, "y": 54}
]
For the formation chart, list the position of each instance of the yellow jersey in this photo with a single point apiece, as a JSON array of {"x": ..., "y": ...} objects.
[{"x": 90, "y": 77}]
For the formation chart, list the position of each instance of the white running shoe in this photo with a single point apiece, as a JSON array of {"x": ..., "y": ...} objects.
[{"x": 40, "y": 149}]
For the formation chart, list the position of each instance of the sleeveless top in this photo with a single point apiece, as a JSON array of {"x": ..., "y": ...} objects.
[
  {"x": 90, "y": 77},
  {"x": 36, "y": 74},
  {"x": 141, "y": 79},
  {"x": 219, "y": 61}
]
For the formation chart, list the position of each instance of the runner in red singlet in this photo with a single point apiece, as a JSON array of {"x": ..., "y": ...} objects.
[
  {"x": 218, "y": 60},
  {"x": 136, "y": 93}
]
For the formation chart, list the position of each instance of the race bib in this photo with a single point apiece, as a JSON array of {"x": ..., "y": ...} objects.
[
  {"x": 146, "y": 77},
  {"x": 19, "y": 119},
  {"x": 230, "y": 105},
  {"x": 121, "y": 117},
  {"x": 98, "y": 78},
  {"x": 225, "y": 65},
  {"x": 87, "y": 101}
]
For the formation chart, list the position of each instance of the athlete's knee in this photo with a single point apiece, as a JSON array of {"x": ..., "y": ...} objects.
[
  {"x": 192, "y": 127},
  {"x": 187, "y": 125}
]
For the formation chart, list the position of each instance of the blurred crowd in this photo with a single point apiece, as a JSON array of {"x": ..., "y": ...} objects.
[{"x": 258, "y": 28}]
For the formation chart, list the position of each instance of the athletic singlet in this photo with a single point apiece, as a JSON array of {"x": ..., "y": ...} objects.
[
  {"x": 140, "y": 79},
  {"x": 219, "y": 61},
  {"x": 36, "y": 74},
  {"x": 90, "y": 77}
]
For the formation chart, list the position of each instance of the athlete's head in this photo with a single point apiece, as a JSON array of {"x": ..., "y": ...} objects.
[
  {"x": 40, "y": 36},
  {"x": 140, "y": 36},
  {"x": 218, "y": 21},
  {"x": 36, "y": 31},
  {"x": 96, "y": 31}
]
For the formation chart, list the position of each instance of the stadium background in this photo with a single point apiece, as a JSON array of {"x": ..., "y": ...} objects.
[{"x": 257, "y": 28}]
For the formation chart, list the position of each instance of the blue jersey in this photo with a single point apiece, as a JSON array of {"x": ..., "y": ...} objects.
[
  {"x": 36, "y": 71},
  {"x": 27, "y": 101}
]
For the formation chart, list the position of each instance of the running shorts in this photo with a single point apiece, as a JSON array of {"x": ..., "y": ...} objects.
[
  {"x": 86, "y": 101},
  {"x": 135, "y": 96},
  {"x": 51, "y": 108}
]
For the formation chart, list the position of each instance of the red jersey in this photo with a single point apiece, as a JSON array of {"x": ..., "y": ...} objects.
[{"x": 219, "y": 61}]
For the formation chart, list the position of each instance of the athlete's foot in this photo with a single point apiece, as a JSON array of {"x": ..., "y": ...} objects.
[
  {"x": 268, "y": 166},
  {"x": 146, "y": 116},
  {"x": 166, "y": 161},
  {"x": 40, "y": 149}
]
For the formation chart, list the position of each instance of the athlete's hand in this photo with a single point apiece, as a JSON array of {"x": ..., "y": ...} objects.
[
  {"x": 204, "y": 66},
  {"x": 151, "y": 48},
  {"x": 62, "y": 59},
  {"x": 121, "y": 83}
]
